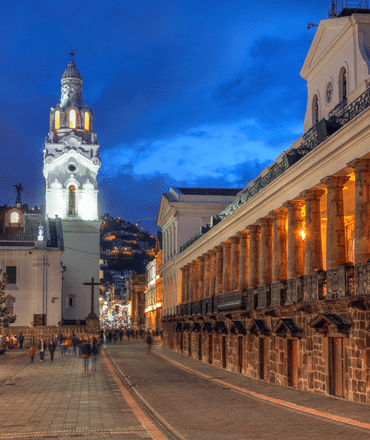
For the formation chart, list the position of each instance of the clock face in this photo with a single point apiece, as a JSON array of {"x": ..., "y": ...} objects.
[
  {"x": 329, "y": 92},
  {"x": 14, "y": 217}
]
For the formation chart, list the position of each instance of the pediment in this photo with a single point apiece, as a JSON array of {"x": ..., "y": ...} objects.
[
  {"x": 328, "y": 34},
  {"x": 52, "y": 163},
  {"x": 165, "y": 207}
]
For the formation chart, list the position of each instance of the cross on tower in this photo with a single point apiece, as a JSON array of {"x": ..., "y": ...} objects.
[
  {"x": 72, "y": 54},
  {"x": 92, "y": 284}
]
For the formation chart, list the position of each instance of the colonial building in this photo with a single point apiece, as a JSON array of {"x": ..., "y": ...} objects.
[
  {"x": 153, "y": 293},
  {"x": 276, "y": 285},
  {"x": 71, "y": 165},
  {"x": 182, "y": 213},
  {"x": 137, "y": 290},
  {"x": 31, "y": 247}
]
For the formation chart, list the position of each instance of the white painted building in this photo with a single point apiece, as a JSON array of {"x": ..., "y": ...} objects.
[
  {"x": 31, "y": 246},
  {"x": 71, "y": 165},
  {"x": 182, "y": 213}
]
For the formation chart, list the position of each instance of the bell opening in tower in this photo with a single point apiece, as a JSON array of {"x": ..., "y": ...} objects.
[{"x": 72, "y": 200}]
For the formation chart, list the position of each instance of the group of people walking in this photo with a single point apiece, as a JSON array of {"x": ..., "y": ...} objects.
[
  {"x": 12, "y": 341},
  {"x": 87, "y": 348}
]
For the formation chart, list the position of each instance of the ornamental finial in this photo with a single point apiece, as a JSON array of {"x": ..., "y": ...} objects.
[{"x": 72, "y": 54}]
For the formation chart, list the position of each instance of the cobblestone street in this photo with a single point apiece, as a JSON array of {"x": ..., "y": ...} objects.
[{"x": 190, "y": 399}]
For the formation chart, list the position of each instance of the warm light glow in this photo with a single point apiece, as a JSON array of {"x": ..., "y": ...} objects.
[
  {"x": 57, "y": 120},
  {"x": 14, "y": 217},
  {"x": 157, "y": 277},
  {"x": 303, "y": 234},
  {"x": 109, "y": 237},
  {"x": 72, "y": 118},
  {"x": 87, "y": 121}
]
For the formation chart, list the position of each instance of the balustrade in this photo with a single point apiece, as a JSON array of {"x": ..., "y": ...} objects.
[
  {"x": 277, "y": 294},
  {"x": 264, "y": 296},
  {"x": 362, "y": 277},
  {"x": 252, "y": 298},
  {"x": 294, "y": 290},
  {"x": 340, "y": 282},
  {"x": 314, "y": 286}
]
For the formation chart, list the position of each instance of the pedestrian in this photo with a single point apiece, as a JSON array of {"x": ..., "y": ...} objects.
[
  {"x": 149, "y": 341},
  {"x": 51, "y": 349},
  {"x": 80, "y": 344},
  {"x": 20, "y": 339},
  {"x": 86, "y": 353},
  {"x": 42, "y": 347},
  {"x": 32, "y": 353},
  {"x": 94, "y": 353},
  {"x": 74, "y": 340}
]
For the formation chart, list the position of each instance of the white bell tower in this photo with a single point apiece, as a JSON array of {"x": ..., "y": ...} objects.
[{"x": 71, "y": 165}]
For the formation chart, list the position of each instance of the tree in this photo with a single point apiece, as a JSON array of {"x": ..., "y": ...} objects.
[{"x": 5, "y": 317}]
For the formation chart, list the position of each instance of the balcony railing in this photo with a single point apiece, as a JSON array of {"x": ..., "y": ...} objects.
[
  {"x": 337, "y": 283},
  {"x": 340, "y": 282},
  {"x": 342, "y": 114}
]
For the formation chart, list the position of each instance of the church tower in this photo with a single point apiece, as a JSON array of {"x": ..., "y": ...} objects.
[{"x": 71, "y": 165}]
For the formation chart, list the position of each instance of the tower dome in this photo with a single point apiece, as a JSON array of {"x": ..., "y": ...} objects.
[{"x": 71, "y": 71}]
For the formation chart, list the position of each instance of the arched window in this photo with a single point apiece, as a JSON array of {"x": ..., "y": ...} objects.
[
  {"x": 57, "y": 120},
  {"x": 343, "y": 85},
  {"x": 315, "y": 110},
  {"x": 72, "y": 201},
  {"x": 87, "y": 121},
  {"x": 72, "y": 118}
]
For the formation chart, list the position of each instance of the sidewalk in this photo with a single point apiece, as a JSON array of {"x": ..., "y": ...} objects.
[
  {"x": 58, "y": 400},
  {"x": 324, "y": 406}
]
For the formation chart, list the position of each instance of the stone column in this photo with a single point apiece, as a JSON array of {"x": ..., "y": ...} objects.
[
  {"x": 212, "y": 273},
  {"x": 196, "y": 280},
  {"x": 234, "y": 263},
  {"x": 313, "y": 246},
  {"x": 362, "y": 209},
  {"x": 201, "y": 277},
  {"x": 183, "y": 293},
  {"x": 243, "y": 259},
  {"x": 266, "y": 250},
  {"x": 206, "y": 275},
  {"x": 191, "y": 281},
  {"x": 335, "y": 233},
  {"x": 226, "y": 267},
  {"x": 280, "y": 255},
  {"x": 295, "y": 265},
  {"x": 254, "y": 255},
  {"x": 218, "y": 282}
]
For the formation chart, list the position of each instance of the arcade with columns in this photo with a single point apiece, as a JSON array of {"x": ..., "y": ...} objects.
[{"x": 277, "y": 285}]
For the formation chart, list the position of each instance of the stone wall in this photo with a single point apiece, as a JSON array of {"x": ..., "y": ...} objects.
[
  {"x": 332, "y": 356},
  {"x": 33, "y": 335}
]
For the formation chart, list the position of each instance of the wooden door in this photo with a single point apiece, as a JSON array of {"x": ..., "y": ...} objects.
[
  {"x": 181, "y": 342},
  {"x": 293, "y": 363},
  {"x": 240, "y": 354},
  {"x": 210, "y": 349},
  {"x": 336, "y": 366},
  {"x": 189, "y": 348},
  {"x": 224, "y": 351},
  {"x": 263, "y": 356}
]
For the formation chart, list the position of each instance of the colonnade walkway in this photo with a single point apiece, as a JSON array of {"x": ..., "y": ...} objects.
[{"x": 178, "y": 398}]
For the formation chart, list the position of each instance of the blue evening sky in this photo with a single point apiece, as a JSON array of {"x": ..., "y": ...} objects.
[{"x": 184, "y": 92}]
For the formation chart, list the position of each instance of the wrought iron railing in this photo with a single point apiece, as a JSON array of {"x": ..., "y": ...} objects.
[{"x": 310, "y": 141}]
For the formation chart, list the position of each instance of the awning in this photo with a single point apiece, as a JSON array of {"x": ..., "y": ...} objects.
[
  {"x": 327, "y": 321},
  {"x": 196, "y": 327},
  {"x": 259, "y": 327},
  {"x": 221, "y": 327},
  {"x": 207, "y": 327},
  {"x": 287, "y": 327},
  {"x": 186, "y": 326},
  {"x": 238, "y": 328}
]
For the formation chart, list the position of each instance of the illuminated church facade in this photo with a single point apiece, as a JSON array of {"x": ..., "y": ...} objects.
[
  {"x": 276, "y": 286},
  {"x": 71, "y": 165}
]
